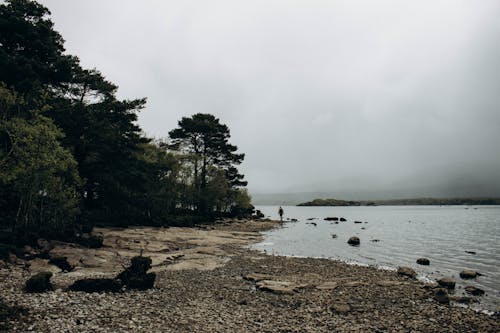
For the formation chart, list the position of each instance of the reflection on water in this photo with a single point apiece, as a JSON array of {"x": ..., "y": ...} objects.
[{"x": 397, "y": 236}]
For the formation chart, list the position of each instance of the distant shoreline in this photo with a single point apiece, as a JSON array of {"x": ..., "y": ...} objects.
[{"x": 404, "y": 202}]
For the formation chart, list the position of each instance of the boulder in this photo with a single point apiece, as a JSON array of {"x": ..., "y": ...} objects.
[
  {"x": 354, "y": 241},
  {"x": 62, "y": 263},
  {"x": 423, "y": 261},
  {"x": 407, "y": 271},
  {"x": 91, "y": 241},
  {"x": 468, "y": 274},
  {"x": 136, "y": 276},
  {"x": 44, "y": 245},
  {"x": 39, "y": 283},
  {"x": 441, "y": 295},
  {"x": 98, "y": 285},
  {"x": 342, "y": 219},
  {"x": 474, "y": 291},
  {"x": 447, "y": 282},
  {"x": 331, "y": 218}
]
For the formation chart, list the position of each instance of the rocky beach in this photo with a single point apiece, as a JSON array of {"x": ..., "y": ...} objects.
[{"x": 208, "y": 280}]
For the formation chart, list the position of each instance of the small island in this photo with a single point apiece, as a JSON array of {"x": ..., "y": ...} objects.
[{"x": 404, "y": 202}]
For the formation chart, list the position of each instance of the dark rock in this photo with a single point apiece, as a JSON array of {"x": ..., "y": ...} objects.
[
  {"x": 96, "y": 285},
  {"x": 363, "y": 228},
  {"x": 470, "y": 252},
  {"x": 91, "y": 241},
  {"x": 44, "y": 245},
  {"x": 62, "y": 263},
  {"x": 441, "y": 295},
  {"x": 331, "y": 219},
  {"x": 423, "y": 261},
  {"x": 474, "y": 291},
  {"x": 447, "y": 282},
  {"x": 5, "y": 251},
  {"x": 259, "y": 214},
  {"x": 461, "y": 299},
  {"x": 39, "y": 283},
  {"x": 294, "y": 220},
  {"x": 468, "y": 274},
  {"x": 334, "y": 236},
  {"x": 375, "y": 240},
  {"x": 136, "y": 276},
  {"x": 311, "y": 218},
  {"x": 354, "y": 241},
  {"x": 357, "y": 222},
  {"x": 407, "y": 271},
  {"x": 342, "y": 219}
]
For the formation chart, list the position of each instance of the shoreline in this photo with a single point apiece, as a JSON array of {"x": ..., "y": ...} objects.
[{"x": 209, "y": 280}]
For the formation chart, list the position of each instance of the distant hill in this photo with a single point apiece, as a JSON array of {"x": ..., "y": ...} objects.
[{"x": 404, "y": 202}]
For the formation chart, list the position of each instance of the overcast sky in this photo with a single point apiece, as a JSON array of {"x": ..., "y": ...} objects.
[{"x": 320, "y": 95}]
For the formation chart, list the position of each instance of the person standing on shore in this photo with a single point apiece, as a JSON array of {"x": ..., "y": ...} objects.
[{"x": 280, "y": 211}]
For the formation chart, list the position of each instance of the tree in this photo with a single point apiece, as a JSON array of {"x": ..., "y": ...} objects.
[
  {"x": 38, "y": 177},
  {"x": 204, "y": 137}
]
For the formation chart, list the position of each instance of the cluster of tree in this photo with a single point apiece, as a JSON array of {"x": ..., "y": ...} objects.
[
  {"x": 405, "y": 202},
  {"x": 72, "y": 155}
]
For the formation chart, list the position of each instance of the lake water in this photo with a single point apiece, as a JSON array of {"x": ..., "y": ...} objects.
[{"x": 442, "y": 234}]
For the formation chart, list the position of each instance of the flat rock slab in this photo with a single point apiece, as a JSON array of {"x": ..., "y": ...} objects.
[
  {"x": 279, "y": 287},
  {"x": 255, "y": 277},
  {"x": 328, "y": 285}
]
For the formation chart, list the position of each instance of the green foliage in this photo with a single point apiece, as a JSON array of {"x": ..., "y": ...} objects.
[{"x": 38, "y": 175}]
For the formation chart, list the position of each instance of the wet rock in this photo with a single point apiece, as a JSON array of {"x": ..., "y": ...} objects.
[
  {"x": 441, "y": 295},
  {"x": 447, "y": 282},
  {"x": 474, "y": 291},
  {"x": 341, "y": 308},
  {"x": 97, "y": 285},
  {"x": 331, "y": 218},
  {"x": 423, "y": 261},
  {"x": 62, "y": 263},
  {"x": 461, "y": 299},
  {"x": 407, "y": 271},
  {"x": 468, "y": 274},
  {"x": 39, "y": 283},
  {"x": 342, "y": 219},
  {"x": 354, "y": 241},
  {"x": 136, "y": 276}
]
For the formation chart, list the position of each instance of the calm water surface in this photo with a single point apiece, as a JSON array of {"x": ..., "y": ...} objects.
[{"x": 442, "y": 234}]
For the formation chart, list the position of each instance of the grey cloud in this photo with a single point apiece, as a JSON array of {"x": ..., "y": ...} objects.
[{"x": 361, "y": 97}]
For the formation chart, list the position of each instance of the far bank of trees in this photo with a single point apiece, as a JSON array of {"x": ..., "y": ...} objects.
[{"x": 72, "y": 154}]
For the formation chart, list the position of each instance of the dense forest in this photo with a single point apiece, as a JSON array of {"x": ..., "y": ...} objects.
[
  {"x": 72, "y": 155},
  {"x": 404, "y": 202}
]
